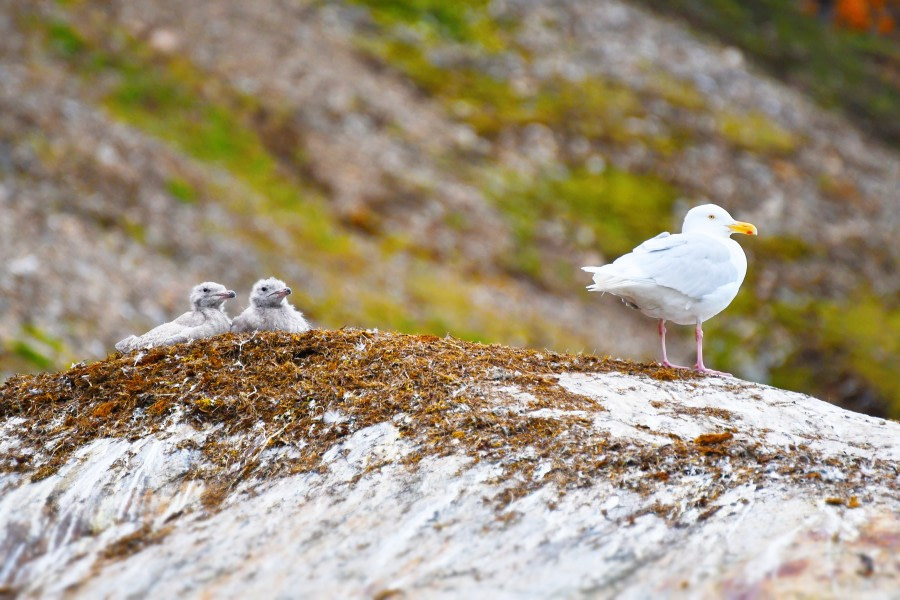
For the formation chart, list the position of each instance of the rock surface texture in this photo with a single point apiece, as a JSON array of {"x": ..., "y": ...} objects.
[{"x": 366, "y": 464}]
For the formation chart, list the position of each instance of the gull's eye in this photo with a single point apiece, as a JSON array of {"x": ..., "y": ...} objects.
[
  {"x": 265, "y": 289},
  {"x": 205, "y": 290},
  {"x": 711, "y": 217}
]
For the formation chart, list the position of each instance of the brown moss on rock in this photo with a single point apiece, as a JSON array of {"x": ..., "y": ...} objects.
[
  {"x": 289, "y": 383},
  {"x": 709, "y": 439},
  {"x": 301, "y": 394},
  {"x": 134, "y": 542}
]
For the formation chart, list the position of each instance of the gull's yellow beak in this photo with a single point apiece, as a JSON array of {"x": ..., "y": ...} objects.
[{"x": 741, "y": 227}]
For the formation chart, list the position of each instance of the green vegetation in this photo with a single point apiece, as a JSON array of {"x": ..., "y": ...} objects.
[
  {"x": 464, "y": 21},
  {"x": 853, "y": 71},
  {"x": 168, "y": 97},
  {"x": 612, "y": 210},
  {"x": 24, "y": 351},
  {"x": 171, "y": 100},
  {"x": 834, "y": 345},
  {"x": 857, "y": 341},
  {"x": 63, "y": 40},
  {"x": 757, "y": 133},
  {"x": 182, "y": 189},
  {"x": 865, "y": 335},
  {"x": 592, "y": 108},
  {"x": 32, "y": 348},
  {"x": 787, "y": 248},
  {"x": 675, "y": 91}
]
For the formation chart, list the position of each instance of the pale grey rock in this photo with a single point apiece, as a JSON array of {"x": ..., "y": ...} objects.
[
  {"x": 368, "y": 521},
  {"x": 269, "y": 310},
  {"x": 206, "y": 319}
]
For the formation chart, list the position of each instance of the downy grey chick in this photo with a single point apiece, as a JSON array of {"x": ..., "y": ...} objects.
[
  {"x": 206, "y": 319},
  {"x": 269, "y": 310}
]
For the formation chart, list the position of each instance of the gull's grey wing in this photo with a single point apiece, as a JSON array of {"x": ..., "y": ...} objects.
[
  {"x": 190, "y": 325},
  {"x": 160, "y": 334},
  {"x": 695, "y": 265},
  {"x": 192, "y": 318},
  {"x": 655, "y": 242},
  {"x": 211, "y": 322}
]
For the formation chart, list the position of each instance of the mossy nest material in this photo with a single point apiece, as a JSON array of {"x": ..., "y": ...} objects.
[
  {"x": 314, "y": 388},
  {"x": 306, "y": 392}
]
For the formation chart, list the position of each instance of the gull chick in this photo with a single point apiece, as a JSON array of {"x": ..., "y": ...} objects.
[
  {"x": 269, "y": 310},
  {"x": 205, "y": 319},
  {"x": 687, "y": 278}
]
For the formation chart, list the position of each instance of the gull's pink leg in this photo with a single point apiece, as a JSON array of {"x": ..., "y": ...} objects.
[
  {"x": 698, "y": 333},
  {"x": 662, "y": 338}
]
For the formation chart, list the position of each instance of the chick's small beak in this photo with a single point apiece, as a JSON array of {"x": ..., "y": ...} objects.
[
  {"x": 741, "y": 227},
  {"x": 228, "y": 294},
  {"x": 281, "y": 293}
]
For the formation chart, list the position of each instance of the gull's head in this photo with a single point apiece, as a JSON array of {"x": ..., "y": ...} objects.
[
  {"x": 269, "y": 292},
  {"x": 714, "y": 220},
  {"x": 210, "y": 295}
]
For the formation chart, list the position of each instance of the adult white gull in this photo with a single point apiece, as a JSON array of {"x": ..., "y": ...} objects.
[
  {"x": 206, "y": 319},
  {"x": 687, "y": 277}
]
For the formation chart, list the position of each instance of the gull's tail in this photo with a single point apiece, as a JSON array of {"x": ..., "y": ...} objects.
[
  {"x": 127, "y": 345},
  {"x": 605, "y": 279}
]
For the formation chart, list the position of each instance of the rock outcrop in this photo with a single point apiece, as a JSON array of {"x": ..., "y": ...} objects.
[{"x": 368, "y": 464}]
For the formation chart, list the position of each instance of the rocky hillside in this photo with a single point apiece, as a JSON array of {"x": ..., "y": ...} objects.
[
  {"x": 432, "y": 168},
  {"x": 368, "y": 464}
]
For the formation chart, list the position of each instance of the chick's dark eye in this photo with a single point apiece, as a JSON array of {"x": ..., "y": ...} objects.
[
  {"x": 205, "y": 289},
  {"x": 265, "y": 289}
]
